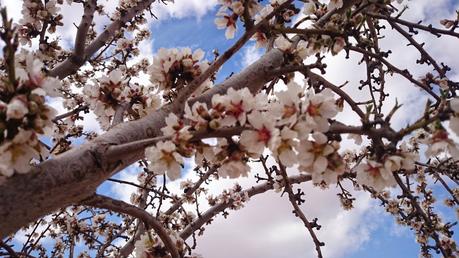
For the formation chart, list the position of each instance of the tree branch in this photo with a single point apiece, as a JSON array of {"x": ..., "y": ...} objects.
[
  {"x": 73, "y": 63},
  {"x": 88, "y": 16},
  {"x": 298, "y": 212},
  {"x": 74, "y": 175},
  {"x": 105, "y": 202},
  {"x": 210, "y": 213}
]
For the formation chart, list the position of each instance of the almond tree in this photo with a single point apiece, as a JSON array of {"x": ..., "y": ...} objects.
[{"x": 265, "y": 113}]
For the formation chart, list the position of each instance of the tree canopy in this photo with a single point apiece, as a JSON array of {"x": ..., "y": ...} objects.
[{"x": 284, "y": 121}]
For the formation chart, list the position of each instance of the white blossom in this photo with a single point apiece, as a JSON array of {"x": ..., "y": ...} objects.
[
  {"x": 234, "y": 169},
  {"x": 228, "y": 22},
  {"x": 17, "y": 108},
  {"x": 288, "y": 105},
  {"x": 335, "y": 4},
  {"x": 309, "y": 8},
  {"x": 236, "y": 104},
  {"x": 164, "y": 159},
  {"x": 318, "y": 108},
  {"x": 284, "y": 150},
  {"x": 454, "y": 118},
  {"x": 375, "y": 175},
  {"x": 312, "y": 155},
  {"x": 264, "y": 135},
  {"x": 176, "y": 128},
  {"x": 15, "y": 155},
  {"x": 439, "y": 142}
]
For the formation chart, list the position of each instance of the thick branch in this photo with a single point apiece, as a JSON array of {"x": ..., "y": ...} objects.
[
  {"x": 104, "y": 202},
  {"x": 75, "y": 175},
  {"x": 86, "y": 20}
]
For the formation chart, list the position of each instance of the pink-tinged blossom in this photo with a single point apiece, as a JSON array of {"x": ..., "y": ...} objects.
[
  {"x": 277, "y": 2},
  {"x": 402, "y": 159},
  {"x": 32, "y": 76},
  {"x": 228, "y": 22},
  {"x": 312, "y": 155},
  {"x": 309, "y": 8},
  {"x": 454, "y": 118},
  {"x": 15, "y": 155},
  {"x": 356, "y": 137},
  {"x": 143, "y": 99},
  {"x": 264, "y": 135},
  {"x": 302, "y": 49},
  {"x": 234, "y": 169},
  {"x": 439, "y": 143},
  {"x": 150, "y": 245},
  {"x": 236, "y": 104},
  {"x": 108, "y": 92},
  {"x": 287, "y": 108},
  {"x": 164, "y": 158},
  {"x": 318, "y": 108},
  {"x": 17, "y": 108},
  {"x": 204, "y": 153},
  {"x": 198, "y": 115},
  {"x": 375, "y": 175},
  {"x": 338, "y": 45},
  {"x": 176, "y": 128},
  {"x": 225, "y": 3},
  {"x": 284, "y": 149},
  {"x": 335, "y": 4},
  {"x": 260, "y": 37},
  {"x": 232, "y": 159},
  {"x": 175, "y": 68},
  {"x": 335, "y": 168},
  {"x": 447, "y": 23},
  {"x": 237, "y": 7}
]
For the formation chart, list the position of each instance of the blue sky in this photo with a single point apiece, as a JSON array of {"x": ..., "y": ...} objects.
[{"x": 380, "y": 237}]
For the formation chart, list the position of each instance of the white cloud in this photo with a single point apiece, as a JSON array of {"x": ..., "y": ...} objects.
[
  {"x": 13, "y": 9},
  {"x": 123, "y": 191},
  {"x": 184, "y": 8},
  {"x": 250, "y": 54}
]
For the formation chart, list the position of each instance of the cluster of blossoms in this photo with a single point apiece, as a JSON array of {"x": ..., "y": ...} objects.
[
  {"x": 233, "y": 10},
  {"x": 230, "y": 11},
  {"x": 150, "y": 245},
  {"x": 291, "y": 126},
  {"x": 24, "y": 115},
  {"x": 437, "y": 139},
  {"x": 235, "y": 196},
  {"x": 323, "y": 42},
  {"x": 380, "y": 174},
  {"x": 35, "y": 14},
  {"x": 173, "y": 69},
  {"x": 113, "y": 91}
]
